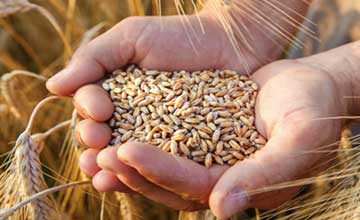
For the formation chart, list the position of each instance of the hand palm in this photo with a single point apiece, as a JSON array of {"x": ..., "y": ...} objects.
[{"x": 293, "y": 101}]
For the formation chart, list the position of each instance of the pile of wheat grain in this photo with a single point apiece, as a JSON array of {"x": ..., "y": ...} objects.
[{"x": 205, "y": 116}]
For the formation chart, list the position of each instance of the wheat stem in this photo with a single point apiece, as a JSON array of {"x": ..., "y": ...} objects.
[
  {"x": 43, "y": 136},
  {"x": 102, "y": 206},
  {"x": 37, "y": 109},
  {"x": 55, "y": 24},
  {"x": 14, "y": 73}
]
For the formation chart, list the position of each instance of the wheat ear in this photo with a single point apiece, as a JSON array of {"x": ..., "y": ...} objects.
[{"x": 24, "y": 177}]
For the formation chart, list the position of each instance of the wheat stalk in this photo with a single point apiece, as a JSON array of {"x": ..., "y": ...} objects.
[
  {"x": 71, "y": 200},
  {"x": 24, "y": 176},
  {"x": 9, "y": 7},
  {"x": 29, "y": 172},
  {"x": 9, "y": 92},
  {"x": 91, "y": 33},
  {"x": 20, "y": 39}
]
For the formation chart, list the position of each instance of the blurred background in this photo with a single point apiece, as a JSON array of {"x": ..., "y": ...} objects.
[{"x": 30, "y": 43}]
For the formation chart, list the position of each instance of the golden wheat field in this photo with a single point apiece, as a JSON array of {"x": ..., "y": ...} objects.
[{"x": 38, "y": 150}]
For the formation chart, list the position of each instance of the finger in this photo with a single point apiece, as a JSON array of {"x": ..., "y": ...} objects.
[
  {"x": 181, "y": 176},
  {"x": 284, "y": 158},
  {"x": 108, "y": 160},
  {"x": 87, "y": 162},
  {"x": 106, "y": 181},
  {"x": 89, "y": 64},
  {"x": 93, "y": 134},
  {"x": 94, "y": 103}
]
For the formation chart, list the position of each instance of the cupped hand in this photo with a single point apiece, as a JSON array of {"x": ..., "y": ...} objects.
[
  {"x": 167, "y": 43},
  {"x": 294, "y": 99},
  {"x": 293, "y": 111},
  {"x": 298, "y": 109}
]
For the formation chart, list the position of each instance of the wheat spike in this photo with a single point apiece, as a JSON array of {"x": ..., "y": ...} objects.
[
  {"x": 29, "y": 171},
  {"x": 24, "y": 177}
]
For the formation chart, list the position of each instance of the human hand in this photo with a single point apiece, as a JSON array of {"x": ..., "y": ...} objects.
[
  {"x": 178, "y": 42},
  {"x": 298, "y": 110},
  {"x": 90, "y": 63},
  {"x": 151, "y": 42},
  {"x": 293, "y": 95}
]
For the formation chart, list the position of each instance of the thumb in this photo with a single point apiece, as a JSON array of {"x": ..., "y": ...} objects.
[
  {"x": 111, "y": 50},
  {"x": 158, "y": 43},
  {"x": 285, "y": 157}
]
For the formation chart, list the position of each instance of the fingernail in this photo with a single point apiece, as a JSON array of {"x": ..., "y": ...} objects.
[{"x": 236, "y": 201}]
